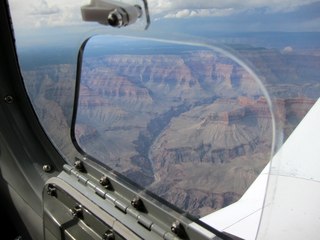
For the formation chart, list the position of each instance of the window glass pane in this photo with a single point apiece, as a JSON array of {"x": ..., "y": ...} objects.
[
  {"x": 187, "y": 122},
  {"x": 48, "y": 38}
]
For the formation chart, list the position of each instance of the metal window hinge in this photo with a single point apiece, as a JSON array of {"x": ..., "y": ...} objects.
[
  {"x": 137, "y": 212},
  {"x": 115, "y": 13},
  {"x": 132, "y": 210}
]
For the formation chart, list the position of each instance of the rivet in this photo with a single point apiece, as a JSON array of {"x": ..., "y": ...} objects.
[
  {"x": 47, "y": 168},
  {"x": 8, "y": 99}
]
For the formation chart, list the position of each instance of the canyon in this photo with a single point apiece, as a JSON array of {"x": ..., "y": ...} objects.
[{"x": 193, "y": 127}]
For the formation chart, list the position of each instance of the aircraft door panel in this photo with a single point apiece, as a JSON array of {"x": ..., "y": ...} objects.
[{"x": 80, "y": 218}]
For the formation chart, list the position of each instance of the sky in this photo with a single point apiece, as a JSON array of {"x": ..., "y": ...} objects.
[
  {"x": 41, "y": 21},
  {"x": 252, "y": 13},
  {"x": 200, "y": 8}
]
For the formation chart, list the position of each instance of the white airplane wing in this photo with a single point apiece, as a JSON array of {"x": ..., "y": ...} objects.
[{"x": 283, "y": 202}]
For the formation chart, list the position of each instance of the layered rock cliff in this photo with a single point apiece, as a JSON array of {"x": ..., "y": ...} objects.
[{"x": 194, "y": 128}]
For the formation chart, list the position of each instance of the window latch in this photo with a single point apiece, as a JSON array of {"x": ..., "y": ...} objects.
[{"x": 115, "y": 13}]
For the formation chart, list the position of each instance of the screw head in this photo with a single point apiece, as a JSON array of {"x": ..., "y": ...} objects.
[
  {"x": 8, "y": 99},
  {"x": 176, "y": 228},
  {"x": 78, "y": 165},
  {"x": 77, "y": 211},
  {"x": 46, "y": 168},
  {"x": 137, "y": 203},
  {"x": 104, "y": 181},
  {"x": 108, "y": 235},
  {"x": 115, "y": 18}
]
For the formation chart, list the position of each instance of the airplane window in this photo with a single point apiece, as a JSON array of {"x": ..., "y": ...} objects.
[
  {"x": 186, "y": 122},
  {"x": 48, "y": 62}
]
